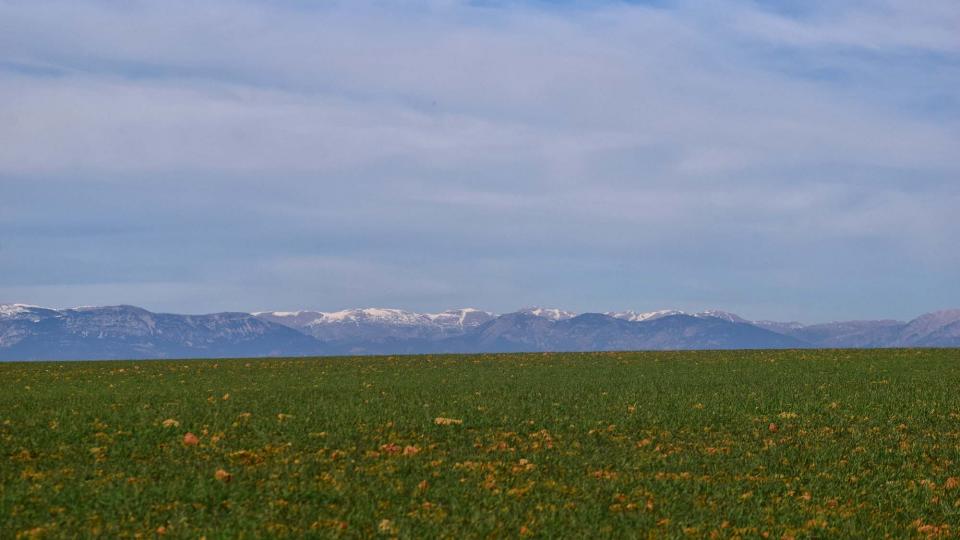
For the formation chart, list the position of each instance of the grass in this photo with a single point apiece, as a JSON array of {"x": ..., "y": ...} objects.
[{"x": 782, "y": 444}]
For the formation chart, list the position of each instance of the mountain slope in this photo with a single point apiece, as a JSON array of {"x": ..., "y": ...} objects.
[
  {"x": 848, "y": 334},
  {"x": 937, "y": 329},
  {"x": 369, "y": 329},
  {"x": 517, "y": 332},
  {"x": 117, "y": 332}
]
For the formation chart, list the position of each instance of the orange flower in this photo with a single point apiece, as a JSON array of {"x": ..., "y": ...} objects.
[
  {"x": 222, "y": 475},
  {"x": 190, "y": 439},
  {"x": 411, "y": 451},
  {"x": 773, "y": 428}
]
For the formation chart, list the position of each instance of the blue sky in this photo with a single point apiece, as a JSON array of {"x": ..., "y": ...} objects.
[{"x": 785, "y": 160}]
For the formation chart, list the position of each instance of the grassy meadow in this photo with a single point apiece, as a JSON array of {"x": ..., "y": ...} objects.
[{"x": 778, "y": 444}]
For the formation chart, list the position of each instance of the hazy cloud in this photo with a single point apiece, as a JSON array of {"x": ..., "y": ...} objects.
[{"x": 785, "y": 159}]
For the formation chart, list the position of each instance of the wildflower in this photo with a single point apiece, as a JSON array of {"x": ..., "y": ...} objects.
[
  {"x": 522, "y": 466},
  {"x": 386, "y": 527},
  {"x": 170, "y": 422},
  {"x": 411, "y": 451},
  {"x": 222, "y": 475},
  {"x": 441, "y": 421},
  {"x": 190, "y": 439},
  {"x": 773, "y": 428}
]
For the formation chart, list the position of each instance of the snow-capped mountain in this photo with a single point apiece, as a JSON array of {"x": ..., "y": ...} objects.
[
  {"x": 461, "y": 318},
  {"x": 723, "y": 315},
  {"x": 33, "y": 333},
  {"x": 640, "y": 316},
  {"x": 24, "y": 312},
  {"x": 300, "y": 319},
  {"x": 353, "y": 328},
  {"x": 552, "y": 314}
]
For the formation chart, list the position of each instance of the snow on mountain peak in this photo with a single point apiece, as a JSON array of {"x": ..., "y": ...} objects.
[
  {"x": 552, "y": 314},
  {"x": 24, "y": 312},
  {"x": 9, "y": 310},
  {"x": 461, "y": 318},
  {"x": 724, "y": 315},
  {"x": 279, "y": 313},
  {"x": 371, "y": 315},
  {"x": 639, "y": 316}
]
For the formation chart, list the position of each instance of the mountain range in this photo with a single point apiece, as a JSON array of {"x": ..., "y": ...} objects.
[{"x": 128, "y": 332}]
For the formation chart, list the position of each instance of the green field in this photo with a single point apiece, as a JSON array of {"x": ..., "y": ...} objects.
[{"x": 797, "y": 444}]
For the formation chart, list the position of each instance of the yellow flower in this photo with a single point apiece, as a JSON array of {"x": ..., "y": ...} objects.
[{"x": 386, "y": 527}]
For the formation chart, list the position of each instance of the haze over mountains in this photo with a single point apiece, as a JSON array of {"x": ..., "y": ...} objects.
[{"x": 119, "y": 332}]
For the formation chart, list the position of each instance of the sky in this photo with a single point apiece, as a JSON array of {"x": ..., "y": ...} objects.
[{"x": 779, "y": 159}]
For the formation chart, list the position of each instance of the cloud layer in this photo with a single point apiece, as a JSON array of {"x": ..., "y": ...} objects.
[{"x": 789, "y": 160}]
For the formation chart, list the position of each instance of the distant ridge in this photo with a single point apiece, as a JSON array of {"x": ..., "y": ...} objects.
[{"x": 30, "y": 332}]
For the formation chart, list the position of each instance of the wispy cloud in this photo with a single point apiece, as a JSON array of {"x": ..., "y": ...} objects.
[{"x": 597, "y": 155}]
